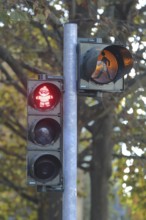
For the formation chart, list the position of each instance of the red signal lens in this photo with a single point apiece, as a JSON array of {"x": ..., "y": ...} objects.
[{"x": 45, "y": 96}]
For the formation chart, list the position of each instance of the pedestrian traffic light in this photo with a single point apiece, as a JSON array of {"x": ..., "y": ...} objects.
[
  {"x": 101, "y": 67},
  {"x": 45, "y": 135}
]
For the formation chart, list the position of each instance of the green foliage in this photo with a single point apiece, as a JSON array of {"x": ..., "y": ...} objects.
[
  {"x": 18, "y": 15},
  {"x": 4, "y": 18},
  {"x": 130, "y": 169}
]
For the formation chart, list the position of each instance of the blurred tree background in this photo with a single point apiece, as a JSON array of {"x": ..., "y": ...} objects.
[{"x": 111, "y": 128}]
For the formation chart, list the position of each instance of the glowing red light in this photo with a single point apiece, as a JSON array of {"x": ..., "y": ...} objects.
[{"x": 46, "y": 96}]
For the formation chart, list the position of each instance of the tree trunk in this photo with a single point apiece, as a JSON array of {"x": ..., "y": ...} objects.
[{"x": 101, "y": 167}]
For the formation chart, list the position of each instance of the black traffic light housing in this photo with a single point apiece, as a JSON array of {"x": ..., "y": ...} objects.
[
  {"x": 101, "y": 67},
  {"x": 45, "y": 133}
]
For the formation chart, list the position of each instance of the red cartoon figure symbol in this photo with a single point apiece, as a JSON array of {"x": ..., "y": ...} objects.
[{"x": 44, "y": 97}]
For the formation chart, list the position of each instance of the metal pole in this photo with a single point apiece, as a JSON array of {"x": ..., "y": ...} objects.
[{"x": 70, "y": 123}]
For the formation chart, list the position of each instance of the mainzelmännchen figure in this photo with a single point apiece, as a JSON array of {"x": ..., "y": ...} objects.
[{"x": 44, "y": 97}]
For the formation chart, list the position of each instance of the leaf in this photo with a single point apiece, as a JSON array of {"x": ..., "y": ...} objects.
[
  {"x": 18, "y": 15},
  {"x": 4, "y": 18},
  {"x": 41, "y": 18},
  {"x": 79, "y": 2}
]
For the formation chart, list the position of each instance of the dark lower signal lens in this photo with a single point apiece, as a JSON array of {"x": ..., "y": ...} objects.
[
  {"x": 47, "y": 167},
  {"x": 46, "y": 131}
]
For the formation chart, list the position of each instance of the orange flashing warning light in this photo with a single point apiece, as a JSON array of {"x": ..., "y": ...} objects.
[
  {"x": 106, "y": 68},
  {"x": 101, "y": 67}
]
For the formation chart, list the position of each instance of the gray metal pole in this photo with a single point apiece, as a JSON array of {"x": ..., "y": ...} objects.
[{"x": 70, "y": 123}]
